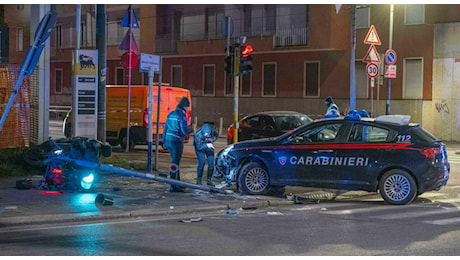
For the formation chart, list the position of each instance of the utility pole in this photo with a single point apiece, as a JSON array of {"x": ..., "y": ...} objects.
[
  {"x": 390, "y": 46},
  {"x": 352, "y": 59},
  {"x": 101, "y": 46}
]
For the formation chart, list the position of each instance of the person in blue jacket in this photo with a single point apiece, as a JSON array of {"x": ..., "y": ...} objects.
[
  {"x": 330, "y": 104},
  {"x": 332, "y": 108},
  {"x": 203, "y": 141},
  {"x": 174, "y": 133}
]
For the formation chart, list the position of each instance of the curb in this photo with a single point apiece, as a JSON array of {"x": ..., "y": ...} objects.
[{"x": 120, "y": 214}]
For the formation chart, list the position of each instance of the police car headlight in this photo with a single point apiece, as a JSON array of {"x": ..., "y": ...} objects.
[{"x": 226, "y": 150}]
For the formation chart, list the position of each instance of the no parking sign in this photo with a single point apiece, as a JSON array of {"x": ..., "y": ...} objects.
[{"x": 390, "y": 57}]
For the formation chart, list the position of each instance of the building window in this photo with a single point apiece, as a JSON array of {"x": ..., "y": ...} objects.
[
  {"x": 58, "y": 32},
  {"x": 120, "y": 73},
  {"x": 229, "y": 84},
  {"x": 246, "y": 84},
  {"x": 363, "y": 17},
  {"x": 311, "y": 78},
  {"x": 20, "y": 39},
  {"x": 58, "y": 81},
  {"x": 361, "y": 80},
  {"x": 413, "y": 78},
  {"x": 247, "y": 19},
  {"x": 213, "y": 23},
  {"x": 192, "y": 27},
  {"x": 269, "y": 79},
  {"x": 270, "y": 18},
  {"x": 176, "y": 75},
  {"x": 414, "y": 14},
  {"x": 209, "y": 79}
]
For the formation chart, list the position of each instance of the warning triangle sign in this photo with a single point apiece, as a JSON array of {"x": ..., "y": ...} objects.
[
  {"x": 372, "y": 55},
  {"x": 372, "y": 37}
]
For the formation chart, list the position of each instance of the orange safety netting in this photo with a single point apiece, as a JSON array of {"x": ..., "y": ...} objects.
[{"x": 16, "y": 128}]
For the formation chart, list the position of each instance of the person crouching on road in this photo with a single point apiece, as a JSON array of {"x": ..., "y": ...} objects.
[
  {"x": 174, "y": 133},
  {"x": 203, "y": 141}
]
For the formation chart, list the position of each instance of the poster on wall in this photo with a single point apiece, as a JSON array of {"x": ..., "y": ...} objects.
[{"x": 84, "y": 96}]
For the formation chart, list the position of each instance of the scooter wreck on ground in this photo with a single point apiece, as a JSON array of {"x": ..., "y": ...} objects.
[
  {"x": 73, "y": 163},
  {"x": 64, "y": 174}
]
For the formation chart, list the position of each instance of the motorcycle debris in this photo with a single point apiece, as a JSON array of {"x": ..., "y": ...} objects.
[{"x": 301, "y": 200}]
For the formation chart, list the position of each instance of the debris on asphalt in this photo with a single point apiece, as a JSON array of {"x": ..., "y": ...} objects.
[
  {"x": 220, "y": 186},
  {"x": 301, "y": 200},
  {"x": 191, "y": 220},
  {"x": 24, "y": 184},
  {"x": 231, "y": 212},
  {"x": 104, "y": 200},
  {"x": 274, "y": 213}
]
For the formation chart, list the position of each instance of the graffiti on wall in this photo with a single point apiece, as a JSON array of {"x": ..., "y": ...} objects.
[{"x": 442, "y": 107}]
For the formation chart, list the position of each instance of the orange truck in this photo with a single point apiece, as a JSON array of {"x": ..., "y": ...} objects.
[{"x": 117, "y": 116}]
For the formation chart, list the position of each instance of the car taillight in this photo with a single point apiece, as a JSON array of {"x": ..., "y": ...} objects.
[{"x": 430, "y": 152}]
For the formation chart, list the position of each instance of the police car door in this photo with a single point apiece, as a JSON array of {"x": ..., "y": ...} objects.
[
  {"x": 311, "y": 153},
  {"x": 361, "y": 159}
]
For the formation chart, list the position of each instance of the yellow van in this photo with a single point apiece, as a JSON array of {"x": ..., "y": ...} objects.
[{"x": 117, "y": 116}]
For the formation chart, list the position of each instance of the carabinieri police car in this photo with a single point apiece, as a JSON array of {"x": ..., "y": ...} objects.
[{"x": 388, "y": 154}]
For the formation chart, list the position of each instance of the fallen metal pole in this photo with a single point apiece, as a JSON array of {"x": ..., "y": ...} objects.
[{"x": 114, "y": 169}]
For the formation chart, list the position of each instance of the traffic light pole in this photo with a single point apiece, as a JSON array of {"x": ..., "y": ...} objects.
[{"x": 236, "y": 81}]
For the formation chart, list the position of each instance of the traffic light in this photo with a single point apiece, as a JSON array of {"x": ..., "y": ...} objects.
[
  {"x": 228, "y": 61},
  {"x": 245, "y": 59}
]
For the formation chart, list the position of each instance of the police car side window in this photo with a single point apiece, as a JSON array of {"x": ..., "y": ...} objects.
[
  {"x": 377, "y": 134},
  {"x": 367, "y": 134},
  {"x": 322, "y": 133}
]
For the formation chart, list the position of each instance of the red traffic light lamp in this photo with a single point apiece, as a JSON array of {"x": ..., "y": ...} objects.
[{"x": 245, "y": 50}]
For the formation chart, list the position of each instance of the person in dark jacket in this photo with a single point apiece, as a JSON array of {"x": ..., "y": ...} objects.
[
  {"x": 174, "y": 133},
  {"x": 203, "y": 141}
]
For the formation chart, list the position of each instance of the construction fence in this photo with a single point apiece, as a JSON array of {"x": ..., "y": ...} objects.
[{"x": 20, "y": 124}]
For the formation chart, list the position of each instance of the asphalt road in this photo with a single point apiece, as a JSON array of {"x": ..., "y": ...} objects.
[{"x": 326, "y": 229}]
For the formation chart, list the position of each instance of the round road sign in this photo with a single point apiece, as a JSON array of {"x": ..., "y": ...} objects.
[
  {"x": 390, "y": 57},
  {"x": 372, "y": 70},
  {"x": 125, "y": 58}
]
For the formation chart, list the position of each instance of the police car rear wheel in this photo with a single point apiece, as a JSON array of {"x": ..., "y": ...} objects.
[
  {"x": 254, "y": 179},
  {"x": 397, "y": 187}
]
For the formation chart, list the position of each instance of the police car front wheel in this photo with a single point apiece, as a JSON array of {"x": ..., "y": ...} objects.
[
  {"x": 254, "y": 179},
  {"x": 397, "y": 187}
]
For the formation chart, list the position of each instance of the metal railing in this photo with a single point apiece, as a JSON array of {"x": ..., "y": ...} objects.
[{"x": 58, "y": 112}]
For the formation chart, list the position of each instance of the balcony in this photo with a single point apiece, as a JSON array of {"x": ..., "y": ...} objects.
[{"x": 290, "y": 37}]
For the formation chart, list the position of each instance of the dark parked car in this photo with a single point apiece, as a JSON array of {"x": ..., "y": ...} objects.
[
  {"x": 388, "y": 154},
  {"x": 267, "y": 124}
]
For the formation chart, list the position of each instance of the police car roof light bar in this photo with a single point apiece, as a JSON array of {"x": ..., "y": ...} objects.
[{"x": 398, "y": 119}]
